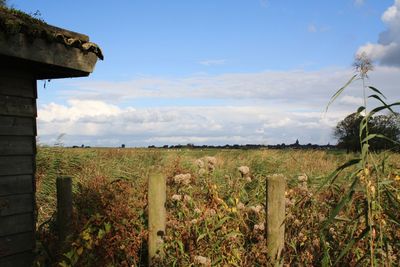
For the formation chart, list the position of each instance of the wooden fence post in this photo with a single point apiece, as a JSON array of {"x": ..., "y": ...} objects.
[
  {"x": 275, "y": 210},
  {"x": 64, "y": 207},
  {"x": 157, "y": 216}
]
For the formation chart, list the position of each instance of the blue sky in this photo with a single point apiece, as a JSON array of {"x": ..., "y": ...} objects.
[{"x": 215, "y": 71}]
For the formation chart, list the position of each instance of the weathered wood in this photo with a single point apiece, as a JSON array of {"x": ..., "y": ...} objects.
[
  {"x": 14, "y": 244},
  {"x": 41, "y": 51},
  {"x": 15, "y": 224},
  {"x": 275, "y": 210},
  {"x": 24, "y": 259},
  {"x": 17, "y": 126},
  {"x": 16, "y": 145},
  {"x": 64, "y": 207},
  {"x": 15, "y": 204},
  {"x": 12, "y": 85},
  {"x": 157, "y": 215},
  {"x": 10, "y": 125},
  {"x": 17, "y": 106},
  {"x": 16, "y": 165},
  {"x": 18, "y": 184}
]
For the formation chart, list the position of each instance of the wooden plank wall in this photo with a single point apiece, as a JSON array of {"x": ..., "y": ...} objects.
[{"x": 17, "y": 167}]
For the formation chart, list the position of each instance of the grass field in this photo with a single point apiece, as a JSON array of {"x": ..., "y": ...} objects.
[{"x": 216, "y": 217}]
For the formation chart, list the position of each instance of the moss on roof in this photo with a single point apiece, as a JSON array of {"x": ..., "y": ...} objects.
[{"x": 13, "y": 22}]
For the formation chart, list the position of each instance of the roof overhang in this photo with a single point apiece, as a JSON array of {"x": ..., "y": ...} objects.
[{"x": 46, "y": 60}]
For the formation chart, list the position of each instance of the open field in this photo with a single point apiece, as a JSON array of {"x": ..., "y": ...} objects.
[{"x": 215, "y": 217}]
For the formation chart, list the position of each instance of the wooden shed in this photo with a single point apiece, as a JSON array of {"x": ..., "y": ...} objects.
[{"x": 30, "y": 50}]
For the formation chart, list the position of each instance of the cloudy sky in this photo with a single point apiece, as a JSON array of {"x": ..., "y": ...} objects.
[{"x": 216, "y": 71}]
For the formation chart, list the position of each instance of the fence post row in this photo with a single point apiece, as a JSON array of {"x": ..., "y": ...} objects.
[
  {"x": 157, "y": 216},
  {"x": 275, "y": 210}
]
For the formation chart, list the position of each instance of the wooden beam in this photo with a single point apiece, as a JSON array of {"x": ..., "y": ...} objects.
[
  {"x": 14, "y": 244},
  {"x": 13, "y": 84},
  {"x": 50, "y": 53},
  {"x": 17, "y": 106},
  {"x": 17, "y": 126},
  {"x": 16, "y": 145},
  {"x": 18, "y": 184},
  {"x": 16, "y": 165},
  {"x": 15, "y": 204},
  {"x": 15, "y": 224}
]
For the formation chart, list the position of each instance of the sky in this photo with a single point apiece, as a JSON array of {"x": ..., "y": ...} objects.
[{"x": 216, "y": 72}]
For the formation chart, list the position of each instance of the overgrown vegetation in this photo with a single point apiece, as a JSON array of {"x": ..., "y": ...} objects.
[
  {"x": 215, "y": 218},
  {"x": 371, "y": 191}
]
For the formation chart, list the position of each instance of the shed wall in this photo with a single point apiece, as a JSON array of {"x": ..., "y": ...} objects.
[{"x": 17, "y": 167}]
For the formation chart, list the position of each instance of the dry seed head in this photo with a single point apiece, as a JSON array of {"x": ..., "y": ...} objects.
[
  {"x": 302, "y": 178},
  {"x": 182, "y": 179},
  {"x": 210, "y": 160},
  {"x": 259, "y": 227},
  {"x": 200, "y": 163},
  {"x": 362, "y": 64},
  {"x": 244, "y": 171},
  {"x": 177, "y": 197},
  {"x": 203, "y": 261}
]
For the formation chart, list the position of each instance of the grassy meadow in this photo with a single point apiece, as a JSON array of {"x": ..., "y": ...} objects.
[{"x": 215, "y": 214}]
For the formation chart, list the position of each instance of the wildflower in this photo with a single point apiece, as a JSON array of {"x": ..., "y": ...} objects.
[
  {"x": 210, "y": 212},
  {"x": 257, "y": 209},
  {"x": 177, "y": 197},
  {"x": 244, "y": 171},
  {"x": 187, "y": 198},
  {"x": 289, "y": 202},
  {"x": 200, "y": 163},
  {"x": 240, "y": 206},
  {"x": 316, "y": 242},
  {"x": 182, "y": 178},
  {"x": 302, "y": 178},
  {"x": 211, "y": 162},
  {"x": 259, "y": 227},
  {"x": 203, "y": 261},
  {"x": 197, "y": 210}
]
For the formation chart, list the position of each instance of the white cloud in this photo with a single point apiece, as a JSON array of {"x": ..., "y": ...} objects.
[
  {"x": 172, "y": 125},
  {"x": 213, "y": 62},
  {"x": 265, "y": 107},
  {"x": 309, "y": 88},
  {"x": 387, "y": 49},
  {"x": 348, "y": 99}
]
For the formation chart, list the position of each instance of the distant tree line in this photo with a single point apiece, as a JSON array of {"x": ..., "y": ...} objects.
[
  {"x": 295, "y": 145},
  {"x": 347, "y": 132}
]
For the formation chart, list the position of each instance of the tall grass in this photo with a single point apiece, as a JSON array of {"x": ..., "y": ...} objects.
[
  {"x": 372, "y": 182},
  {"x": 217, "y": 219}
]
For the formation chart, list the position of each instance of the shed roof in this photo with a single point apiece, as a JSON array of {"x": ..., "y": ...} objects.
[{"x": 57, "y": 52}]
